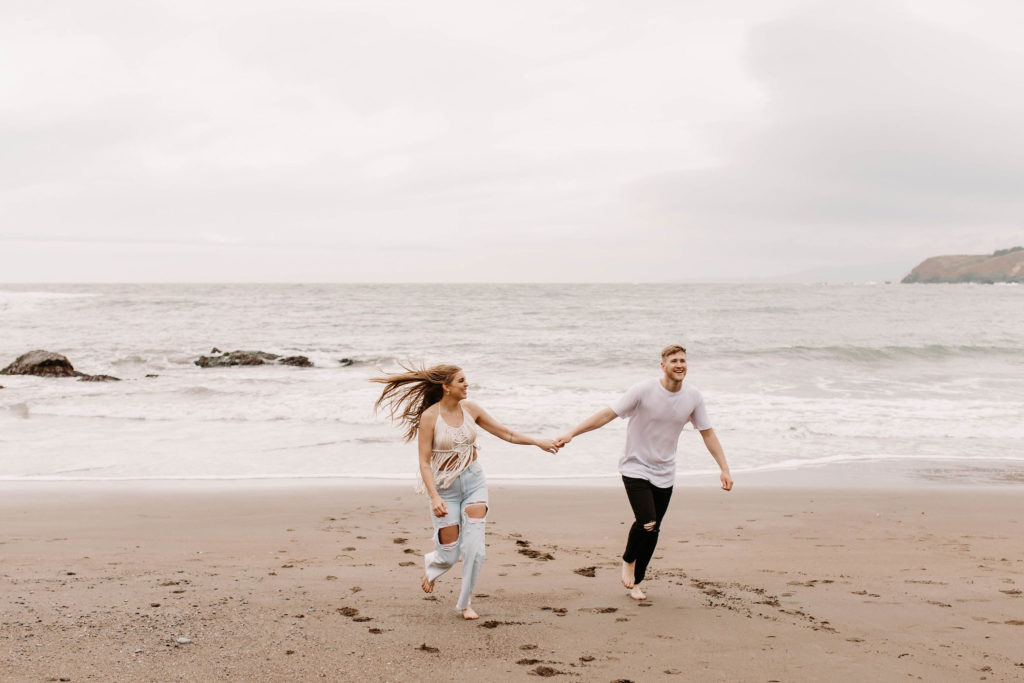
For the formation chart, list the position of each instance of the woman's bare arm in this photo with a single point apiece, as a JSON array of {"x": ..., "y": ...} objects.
[
  {"x": 425, "y": 443},
  {"x": 484, "y": 419}
]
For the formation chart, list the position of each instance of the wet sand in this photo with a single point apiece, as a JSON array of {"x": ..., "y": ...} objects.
[{"x": 300, "y": 581}]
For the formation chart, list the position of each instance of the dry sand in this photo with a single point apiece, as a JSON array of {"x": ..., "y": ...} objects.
[{"x": 290, "y": 582}]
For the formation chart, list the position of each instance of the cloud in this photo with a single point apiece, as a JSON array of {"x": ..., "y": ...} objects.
[
  {"x": 881, "y": 132},
  {"x": 552, "y": 141}
]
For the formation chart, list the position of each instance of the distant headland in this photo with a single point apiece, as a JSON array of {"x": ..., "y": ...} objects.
[{"x": 1004, "y": 265}]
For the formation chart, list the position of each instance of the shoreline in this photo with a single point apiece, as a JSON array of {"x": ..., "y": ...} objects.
[
  {"x": 866, "y": 473},
  {"x": 292, "y": 583}
]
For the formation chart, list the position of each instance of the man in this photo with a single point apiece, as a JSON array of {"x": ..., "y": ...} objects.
[{"x": 657, "y": 409}]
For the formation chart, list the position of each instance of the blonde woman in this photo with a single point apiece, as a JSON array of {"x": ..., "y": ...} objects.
[{"x": 431, "y": 404}]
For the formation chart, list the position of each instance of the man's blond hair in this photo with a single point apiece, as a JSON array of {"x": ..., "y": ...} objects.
[{"x": 671, "y": 350}]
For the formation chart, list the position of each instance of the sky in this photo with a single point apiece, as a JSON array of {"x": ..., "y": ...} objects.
[{"x": 527, "y": 141}]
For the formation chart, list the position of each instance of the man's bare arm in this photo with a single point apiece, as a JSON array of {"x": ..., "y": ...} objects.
[
  {"x": 595, "y": 421},
  {"x": 715, "y": 449}
]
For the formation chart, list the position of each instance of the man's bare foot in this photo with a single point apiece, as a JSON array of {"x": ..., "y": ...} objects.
[
  {"x": 628, "y": 578},
  {"x": 428, "y": 586},
  {"x": 468, "y": 614},
  {"x": 637, "y": 594}
]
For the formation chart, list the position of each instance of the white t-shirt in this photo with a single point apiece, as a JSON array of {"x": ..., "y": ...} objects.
[{"x": 656, "y": 418}]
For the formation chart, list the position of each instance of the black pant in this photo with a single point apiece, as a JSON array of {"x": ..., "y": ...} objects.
[{"x": 649, "y": 504}]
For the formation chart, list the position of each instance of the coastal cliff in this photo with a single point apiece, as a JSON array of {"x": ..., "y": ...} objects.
[{"x": 1005, "y": 265}]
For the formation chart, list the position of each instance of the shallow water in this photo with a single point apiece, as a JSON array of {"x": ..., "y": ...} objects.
[{"x": 794, "y": 376}]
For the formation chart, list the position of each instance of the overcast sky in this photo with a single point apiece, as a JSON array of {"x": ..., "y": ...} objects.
[{"x": 333, "y": 140}]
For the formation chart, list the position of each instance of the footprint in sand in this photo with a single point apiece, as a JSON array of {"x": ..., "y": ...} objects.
[
  {"x": 495, "y": 624},
  {"x": 536, "y": 554},
  {"x": 559, "y": 611},
  {"x": 546, "y": 672},
  {"x": 591, "y": 572}
]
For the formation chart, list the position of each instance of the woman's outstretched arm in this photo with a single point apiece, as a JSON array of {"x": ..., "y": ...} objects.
[{"x": 484, "y": 419}]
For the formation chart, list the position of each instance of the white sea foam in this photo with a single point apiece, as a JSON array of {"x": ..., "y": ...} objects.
[{"x": 794, "y": 377}]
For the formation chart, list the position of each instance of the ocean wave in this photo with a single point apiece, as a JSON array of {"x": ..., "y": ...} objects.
[
  {"x": 18, "y": 410},
  {"x": 805, "y": 463},
  {"x": 133, "y": 359},
  {"x": 873, "y": 354},
  {"x": 33, "y": 295},
  {"x": 204, "y": 391}
]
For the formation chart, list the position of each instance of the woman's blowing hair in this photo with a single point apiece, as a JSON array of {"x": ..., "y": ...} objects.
[{"x": 407, "y": 394}]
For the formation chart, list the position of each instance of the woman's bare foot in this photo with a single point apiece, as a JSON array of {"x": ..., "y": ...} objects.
[
  {"x": 428, "y": 586},
  {"x": 637, "y": 594},
  {"x": 468, "y": 614},
  {"x": 628, "y": 578}
]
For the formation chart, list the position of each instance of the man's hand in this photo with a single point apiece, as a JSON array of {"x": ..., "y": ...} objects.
[
  {"x": 726, "y": 481},
  {"x": 563, "y": 440},
  {"x": 549, "y": 445}
]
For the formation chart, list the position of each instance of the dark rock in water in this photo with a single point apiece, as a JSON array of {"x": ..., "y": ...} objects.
[
  {"x": 345, "y": 362},
  {"x": 42, "y": 364},
  {"x": 49, "y": 364},
  {"x": 152, "y": 375},
  {"x": 215, "y": 350},
  {"x": 235, "y": 358},
  {"x": 250, "y": 358}
]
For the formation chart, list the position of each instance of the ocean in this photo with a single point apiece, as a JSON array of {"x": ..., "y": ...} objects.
[{"x": 795, "y": 377}]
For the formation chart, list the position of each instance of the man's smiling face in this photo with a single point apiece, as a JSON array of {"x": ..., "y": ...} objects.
[{"x": 675, "y": 367}]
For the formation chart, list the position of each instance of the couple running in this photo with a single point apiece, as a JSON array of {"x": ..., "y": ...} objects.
[{"x": 431, "y": 404}]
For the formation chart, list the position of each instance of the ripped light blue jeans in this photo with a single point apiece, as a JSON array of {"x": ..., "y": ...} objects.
[{"x": 470, "y": 487}]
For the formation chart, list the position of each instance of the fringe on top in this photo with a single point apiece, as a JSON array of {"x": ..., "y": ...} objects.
[{"x": 452, "y": 451}]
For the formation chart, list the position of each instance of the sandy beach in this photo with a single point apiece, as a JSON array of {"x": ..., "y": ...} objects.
[{"x": 297, "y": 581}]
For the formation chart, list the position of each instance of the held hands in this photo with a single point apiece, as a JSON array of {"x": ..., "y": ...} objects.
[
  {"x": 549, "y": 445},
  {"x": 554, "y": 445}
]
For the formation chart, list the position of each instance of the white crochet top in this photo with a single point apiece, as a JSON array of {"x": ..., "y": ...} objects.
[{"x": 452, "y": 451}]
